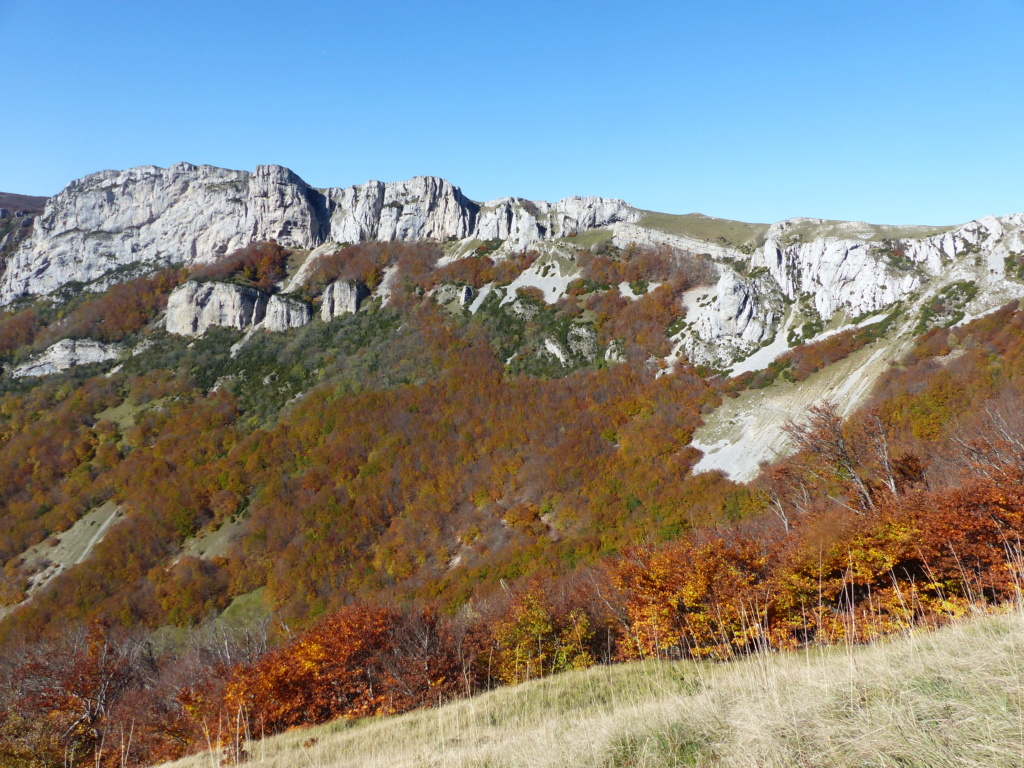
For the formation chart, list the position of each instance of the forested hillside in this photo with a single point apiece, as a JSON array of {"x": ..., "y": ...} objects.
[{"x": 292, "y": 484}]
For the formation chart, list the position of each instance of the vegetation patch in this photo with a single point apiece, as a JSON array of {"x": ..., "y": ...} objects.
[
  {"x": 808, "y": 322},
  {"x": 948, "y": 306},
  {"x": 1014, "y": 265},
  {"x": 806, "y": 359},
  {"x": 894, "y": 253},
  {"x": 737, "y": 234}
]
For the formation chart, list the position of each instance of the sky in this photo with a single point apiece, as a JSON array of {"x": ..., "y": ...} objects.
[{"x": 889, "y": 112}]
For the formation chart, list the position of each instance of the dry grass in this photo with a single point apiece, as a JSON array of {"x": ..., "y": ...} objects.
[{"x": 953, "y": 697}]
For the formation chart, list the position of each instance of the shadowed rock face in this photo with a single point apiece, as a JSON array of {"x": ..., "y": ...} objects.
[
  {"x": 193, "y": 307},
  {"x": 195, "y": 214}
]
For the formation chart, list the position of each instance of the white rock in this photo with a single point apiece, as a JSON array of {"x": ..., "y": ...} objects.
[
  {"x": 737, "y": 321},
  {"x": 856, "y": 274},
  {"x": 193, "y": 307},
  {"x": 151, "y": 216},
  {"x": 159, "y": 216},
  {"x": 342, "y": 297},
  {"x": 67, "y": 354},
  {"x": 425, "y": 207},
  {"x": 284, "y": 312},
  {"x": 582, "y": 341},
  {"x": 523, "y": 222},
  {"x": 555, "y": 349}
]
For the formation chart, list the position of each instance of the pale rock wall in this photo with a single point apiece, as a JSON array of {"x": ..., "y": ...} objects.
[
  {"x": 66, "y": 354},
  {"x": 284, "y": 312},
  {"x": 522, "y": 222},
  {"x": 160, "y": 216},
  {"x": 744, "y": 313},
  {"x": 193, "y": 307},
  {"x": 342, "y": 297},
  {"x": 423, "y": 208},
  {"x": 195, "y": 214},
  {"x": 855, "y": 274}
]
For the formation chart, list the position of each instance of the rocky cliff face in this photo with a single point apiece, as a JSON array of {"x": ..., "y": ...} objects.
[
  {"x": 148, "y": 216},
  {"x": 159, "y": 216},
  {"x": 67, "y": 354},
  {"x": 523, "y": 222},
  {"x": 421, "y": 208},
  {"x": 783, "y": 278},
  {"x": 284, "y": 312},
  {"x": 818, "y": 275},
  {"x": 342, "y": 297},
  {"x": 193, "y": 307},
  {"x": 742, "y": 314}
]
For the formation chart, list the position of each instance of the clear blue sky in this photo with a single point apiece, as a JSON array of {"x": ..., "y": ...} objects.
[{"x": 893, "y": 112}]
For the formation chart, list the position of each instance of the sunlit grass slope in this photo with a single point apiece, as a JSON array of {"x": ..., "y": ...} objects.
[{"x": 953, "y": 697}]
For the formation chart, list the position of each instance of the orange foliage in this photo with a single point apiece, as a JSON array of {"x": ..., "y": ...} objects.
[
  {"x": 124, "y": 309},
  {"x": 355, "y": 663},
  {"x": 260, "y": 264},
  {"x": 17, "y": 329}
]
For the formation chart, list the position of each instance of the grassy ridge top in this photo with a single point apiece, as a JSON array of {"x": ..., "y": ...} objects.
[
  {"x": 706, "y": 228},
  {"x": 28, "y": 203},
  {"x": 740, "y": 233},
  {"x": 812, "y": 229},
  {"x": 950, "y": 697}
]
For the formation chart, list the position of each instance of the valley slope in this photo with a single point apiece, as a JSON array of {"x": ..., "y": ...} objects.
[{"x": 234, "y": 407}]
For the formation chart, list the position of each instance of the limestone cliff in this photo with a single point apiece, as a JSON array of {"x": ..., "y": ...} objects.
[
  {"x": 66, "y": 354},
  {"x": 284, "y": 312},
  {"x": 821, "y": 268},
  {"x": 157, "y": 216},
  {"x": 107, "y": 222},
  {"x": 342, "y": 297},
  {"x": 781, "y": 278},
  {"x": 193, "y": 307}
]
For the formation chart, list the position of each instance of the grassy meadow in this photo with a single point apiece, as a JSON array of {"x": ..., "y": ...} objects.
[{"x": 948, "y": 697}]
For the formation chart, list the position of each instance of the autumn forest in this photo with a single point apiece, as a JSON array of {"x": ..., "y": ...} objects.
[{"x": 409, "y": 505}]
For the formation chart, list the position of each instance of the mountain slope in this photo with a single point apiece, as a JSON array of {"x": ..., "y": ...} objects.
[
  {"x": 950, "y": 697},
  {"x": 485, "y": 416}
]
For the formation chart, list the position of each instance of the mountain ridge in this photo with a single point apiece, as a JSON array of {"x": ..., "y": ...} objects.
[
  {"x": 776, "y": 285},
  {"x": 113, "y": 225}
]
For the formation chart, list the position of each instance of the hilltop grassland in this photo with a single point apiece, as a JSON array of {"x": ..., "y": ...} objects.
[{"x": 951, "y": 697}]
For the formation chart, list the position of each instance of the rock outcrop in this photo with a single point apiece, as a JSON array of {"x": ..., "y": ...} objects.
[
  {"x": 67, "y": 354},
  {"x": 524, "y": 222},
  {"x": 112, "y": 226},
  {"x": 342, "y": 297},
  {"x": 159, "y": 216},
  {"x": 284, "y": 312},
  {"x": 194, "y": 306},
  {"x": 739, "y": 312},
  {"x": 150, "y": 216},
  {"x": 423, "y": 208},
  {"x": 447, "y": 292},
  {"x": 850, "y": 268}
]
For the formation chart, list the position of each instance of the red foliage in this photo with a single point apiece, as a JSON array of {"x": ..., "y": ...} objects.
[
  {"x": 17, "y": 329},
  {"x": 260, "y": 264},
  {"x": 122, "y": 310},
  {"x": 363, "y": 660}
]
